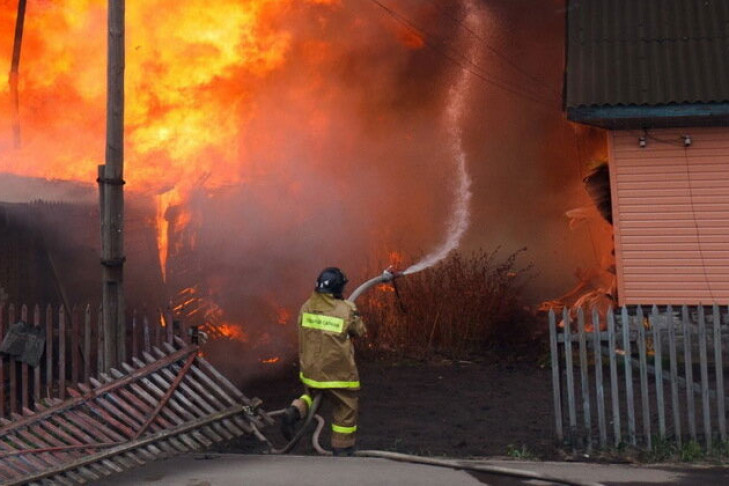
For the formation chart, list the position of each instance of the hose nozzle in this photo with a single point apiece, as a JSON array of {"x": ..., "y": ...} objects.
[{"x": 387, "y": 276}]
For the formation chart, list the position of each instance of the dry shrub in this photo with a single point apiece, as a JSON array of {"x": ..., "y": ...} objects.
[{"x": 463, "y": 307}]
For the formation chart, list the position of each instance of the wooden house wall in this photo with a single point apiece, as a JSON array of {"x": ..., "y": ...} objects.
[{"x": 671, "y": 215}]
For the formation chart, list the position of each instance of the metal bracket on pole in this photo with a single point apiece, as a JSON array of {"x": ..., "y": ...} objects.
[
  {"x": 110, "y": 181},
  {"x": 114, "y": 262}
]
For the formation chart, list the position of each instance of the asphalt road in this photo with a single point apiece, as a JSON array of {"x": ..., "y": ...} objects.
[{"x": 258, "y": 470}]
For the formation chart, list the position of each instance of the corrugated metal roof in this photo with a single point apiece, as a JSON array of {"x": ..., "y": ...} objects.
[{"x": 647, "y": 52}]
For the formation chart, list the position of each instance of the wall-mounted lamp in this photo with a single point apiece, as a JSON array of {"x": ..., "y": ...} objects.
[
  {"x": 686, "y": 140},
  {"x": 641, "y": 142}
]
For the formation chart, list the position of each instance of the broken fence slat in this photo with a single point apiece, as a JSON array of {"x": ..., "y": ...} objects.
[
  {"x": 151, "y": 401},
  {"x": 124, "y": 419},
  {"x": 123, "y": 415},
  {"x": 145, "y": 404},
  {"x": 187, "y": 440},
  {"x": 23, "y": 440},
  {"x": 187, "y": 403},
  {"x": 97, "y": 408},
  {"x": 132, "y": 376},
  {"x": 232, "y": 390},
  {"x": 188, "y": 427},
  {"x": 131, "y": 404},
  {"x": 171, "y": 389},
  {"x": 180, "y": 402},
  {"x": 228, "y": 430}
]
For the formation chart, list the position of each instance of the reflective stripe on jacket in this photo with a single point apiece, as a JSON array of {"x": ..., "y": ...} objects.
[{"x": 326, "y": 353}]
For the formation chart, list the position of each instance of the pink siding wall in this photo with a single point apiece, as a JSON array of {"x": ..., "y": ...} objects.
[{"x": 671, "y": 215}]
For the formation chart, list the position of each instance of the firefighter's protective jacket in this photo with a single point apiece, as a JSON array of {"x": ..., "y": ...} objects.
[{"x": 326, "y": 353}]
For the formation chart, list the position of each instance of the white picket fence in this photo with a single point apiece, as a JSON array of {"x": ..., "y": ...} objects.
[{"x": 633, "y": 376}]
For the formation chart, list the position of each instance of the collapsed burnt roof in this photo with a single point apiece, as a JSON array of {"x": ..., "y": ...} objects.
[{"x": 647, "y": 64}]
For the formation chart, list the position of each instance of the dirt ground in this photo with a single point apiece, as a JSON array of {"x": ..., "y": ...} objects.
[{"x": 454, "y": 409}]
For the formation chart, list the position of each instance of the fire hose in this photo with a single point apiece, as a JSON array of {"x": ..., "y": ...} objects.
[
  {"x": 409, "y": 458},
  {"x": 312, "y": 415},
  {"x": 387, "y": 276}
]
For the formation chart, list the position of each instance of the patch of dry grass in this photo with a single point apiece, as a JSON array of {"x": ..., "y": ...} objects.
[{"x": 465, "y": 306}]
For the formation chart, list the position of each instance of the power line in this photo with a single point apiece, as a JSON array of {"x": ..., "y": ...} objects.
[
  {"x": 478, "y": 72},
  {"x": 501, "y": 56}
]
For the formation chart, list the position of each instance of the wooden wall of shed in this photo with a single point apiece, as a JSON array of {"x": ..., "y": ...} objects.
[
  {"x": 671, "y": 215},
  {"x": 24, "y": 267},
  {"x": 49, "y": 254}
]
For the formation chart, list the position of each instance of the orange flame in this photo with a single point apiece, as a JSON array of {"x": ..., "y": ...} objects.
[
  {"x": 232, "y": 332},
  {"x": 190, "y": 78},
  {"x": 275, "y": 359},
  {"x": 396, "y": 259},
  {"x": 196, "y": 81},
  {"x": 410, "y": 38},
  {"x": 284, "y": 315}
]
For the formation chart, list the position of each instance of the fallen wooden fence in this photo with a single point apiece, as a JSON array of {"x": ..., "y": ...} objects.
[
  {"x": 73, "y": 349},
  {"x": 642, "y": 376},
  {"x": 167, "y": 402}
]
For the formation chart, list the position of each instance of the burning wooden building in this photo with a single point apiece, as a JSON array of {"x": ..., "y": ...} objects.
[
  {"x": 49, "y": 246},
  {"x": 652, "y": 79}
]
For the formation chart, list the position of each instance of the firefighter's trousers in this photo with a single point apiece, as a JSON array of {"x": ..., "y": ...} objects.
[{"x": 345, "y": 406}]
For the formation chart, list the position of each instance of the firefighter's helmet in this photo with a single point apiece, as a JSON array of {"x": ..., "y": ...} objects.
[{"x": 331, "y": 281}]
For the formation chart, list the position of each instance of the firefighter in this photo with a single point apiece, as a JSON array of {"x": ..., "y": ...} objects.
[{"x": 327, "y": 323}]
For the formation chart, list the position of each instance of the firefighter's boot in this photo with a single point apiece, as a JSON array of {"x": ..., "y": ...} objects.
[
  {"x": 289, "y": 418},
  {"x": 343, "y": 452}
]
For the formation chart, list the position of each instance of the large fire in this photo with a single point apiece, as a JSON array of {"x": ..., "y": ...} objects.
[
  {"x": 273, "y": 137},
  {"x": 262, "y": 99}
]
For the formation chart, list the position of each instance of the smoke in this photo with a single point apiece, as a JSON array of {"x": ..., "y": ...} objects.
[
  {"x": 306, "y": 134},
  {"x": 458, "y": 223}
]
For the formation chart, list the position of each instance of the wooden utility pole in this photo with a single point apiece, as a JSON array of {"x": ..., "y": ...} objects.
[
  {"x": 14, "y": 71},
  {"x": 111, "y": 194}
]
